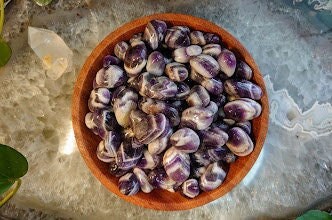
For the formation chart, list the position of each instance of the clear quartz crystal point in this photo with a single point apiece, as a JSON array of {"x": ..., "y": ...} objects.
[{"x": 56, "y": 56}]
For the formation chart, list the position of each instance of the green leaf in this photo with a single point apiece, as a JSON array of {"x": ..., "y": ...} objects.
[
  {"x": 315, "y": 214},
  {"x": 43, "y": 2},
  {"x": 5, "y": 53},
  {"x": 13, "y": 164},
  {"x": 5, "y": 185}
]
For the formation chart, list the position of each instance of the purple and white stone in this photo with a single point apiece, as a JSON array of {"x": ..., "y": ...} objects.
[
  {"x": 128, "y": 184},
  {"x": 177, "y": 37},
  {"x": 243, "y": 89},
  {"x": 120, "y": 49},
  {"x": 239, "y": 142},
  {"x": 198, "y": 96},
  {"x": 213, "y": 137},
  {"x": 212, "y": 49},
  {"x": 183, "y": 54},
  {"x": 100, "y": 99},
  {"x": 246, "y": 126},
  {"x": 197, "y": 118},
  {"x": 227, "y": 62},
  {"x": 205, "y": 65},
  {"x": 211, "y": 38},
  {"x": 161, "y": 143},
  {"x": 103, "y": 154},
  {"x": 112, "y": 142},
  {"x": 176, "y": 164},
  {"x": 242, "y": 109},
  {"x": 143, "y": 180},
  {"x": 159, "y": 179},
  {"x": 213, "y": 177},
  {"x": 126, "y": 156},
  {"x": 146, "y": 127},
  {"x": 185, "y": 140},
  {"x": 243, "y": 71},
  {"x": 176, "y": 71},
  {"x": 154, "y": 33},
  {"x": 100, "y": 122},
  {"x": 190, "y": 188},
  {"x": 148, "y": 161},
  {"x": 112, "y": 77},
  {"x": 124, "y": 101},
  {"x": 110, "y": 60},
  {"x": 197, "y": 38},
  {"x": 135, "y": 58},
  {"x": 156, "y": 63}
]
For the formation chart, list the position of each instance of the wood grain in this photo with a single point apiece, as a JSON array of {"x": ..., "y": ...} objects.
[{"x": 87, "y": 141}]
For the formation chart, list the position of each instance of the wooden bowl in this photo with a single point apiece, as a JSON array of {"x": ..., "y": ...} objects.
[{"x": 87, "y": 142}]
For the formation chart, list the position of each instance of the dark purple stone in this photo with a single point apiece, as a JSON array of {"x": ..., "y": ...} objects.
[
  {"x": 110, "y": 60},
  {"x": 211, "y": 38}
]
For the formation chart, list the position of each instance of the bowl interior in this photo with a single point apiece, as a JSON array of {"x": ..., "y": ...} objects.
[{"x": 87, "y": 141}]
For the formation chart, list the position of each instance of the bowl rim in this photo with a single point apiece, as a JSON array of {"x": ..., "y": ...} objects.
[{"x": 77, "y": 112}]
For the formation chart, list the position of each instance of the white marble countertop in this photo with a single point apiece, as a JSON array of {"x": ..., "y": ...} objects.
[{"x": 290, "y": 41}]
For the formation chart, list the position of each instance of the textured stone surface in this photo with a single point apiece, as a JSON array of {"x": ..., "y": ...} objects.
[{"x": 293, "y": 52}]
